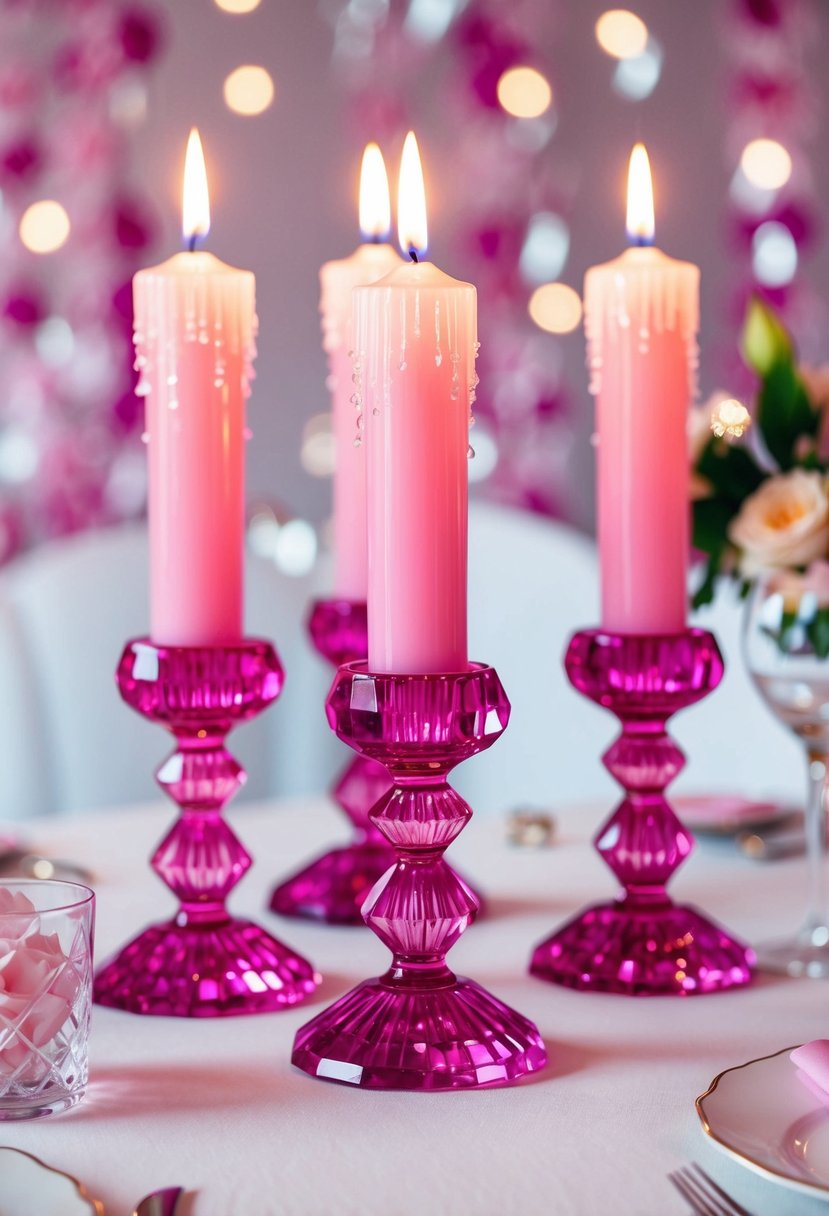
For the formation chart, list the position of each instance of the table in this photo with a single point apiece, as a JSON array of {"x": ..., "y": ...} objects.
[{"x": 216, "y": 1106}]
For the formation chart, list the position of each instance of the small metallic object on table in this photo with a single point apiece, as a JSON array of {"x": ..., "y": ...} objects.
[
  {"x": 786, "y": 838},
  {"x": 531, "y": 829},
  {"x": 160, "y": 1203},
  {"x": 705, "y": 1196}
]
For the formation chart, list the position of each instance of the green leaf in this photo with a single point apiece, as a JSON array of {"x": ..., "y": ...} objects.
[
  {"x": 730, "y": 469},
  {"x": 818, "y": 632},
  {"x": 704, "y": 593},
  {"x": 710, "y": 520},
  {"x": 764, "y": 341},
  {"x": 785, "y": 413}
]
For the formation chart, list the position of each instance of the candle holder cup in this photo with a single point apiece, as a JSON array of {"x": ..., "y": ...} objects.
[
  {"x": 203, "y": 962},
  {"x": 334, "y": 886},
  {"x": 419, "y": 1027},
  {"x": 643, "y": 943}
]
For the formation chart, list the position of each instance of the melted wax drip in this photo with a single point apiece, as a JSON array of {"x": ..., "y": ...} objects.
[
  {"x": 161, "y": 305},
  {"x": 663, "y": 300}
]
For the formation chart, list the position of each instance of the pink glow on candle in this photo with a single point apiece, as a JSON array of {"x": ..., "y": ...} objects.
[
  {"x": 194, "y": 339},
  {"x": 641, "y": 317}
]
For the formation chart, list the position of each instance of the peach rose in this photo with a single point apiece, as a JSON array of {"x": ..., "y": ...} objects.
[
  {"x": 37, "y": 989},
  {"x": 784, "y": 523}
]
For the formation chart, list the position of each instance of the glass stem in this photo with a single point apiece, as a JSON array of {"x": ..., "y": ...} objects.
[{"x": 816, "y": 834}]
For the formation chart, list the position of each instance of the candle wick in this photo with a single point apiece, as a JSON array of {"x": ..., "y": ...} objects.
[
  {"x": 642, "y": 242},
  {"x": 413, "y": 255},
  {"x": 191, "y": 243},
  {"x": 375, "y": 239}
]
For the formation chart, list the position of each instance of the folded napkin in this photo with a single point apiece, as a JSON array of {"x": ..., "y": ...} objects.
[{"x": 812, "y": 1063}]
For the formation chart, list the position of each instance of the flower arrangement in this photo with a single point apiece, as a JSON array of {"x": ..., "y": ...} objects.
[{"x": 761, "y": 495}]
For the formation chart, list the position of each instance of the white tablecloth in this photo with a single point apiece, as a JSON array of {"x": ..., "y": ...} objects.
[{"x": 216, "y": 1106}]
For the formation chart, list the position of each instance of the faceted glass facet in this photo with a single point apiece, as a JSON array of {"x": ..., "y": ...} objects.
[
  {"x": 204, "y": 962},
  {"x": 643, "y": 943},
  {"x": 419, "y": 1026}
]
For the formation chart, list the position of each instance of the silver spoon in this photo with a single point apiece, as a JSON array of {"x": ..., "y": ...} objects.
[{"x": 160, "y": 1203}]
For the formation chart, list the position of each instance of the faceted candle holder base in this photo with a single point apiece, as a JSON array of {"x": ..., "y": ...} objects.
[
  {"x": 419, "y": 1026},
  {"x": 456, "y": 1037},
  {"x": 644, "y": 943},
  {"x": 203, "y": 962}
]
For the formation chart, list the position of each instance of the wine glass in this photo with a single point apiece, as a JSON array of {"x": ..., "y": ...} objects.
[{"x": 786, "y": 645}]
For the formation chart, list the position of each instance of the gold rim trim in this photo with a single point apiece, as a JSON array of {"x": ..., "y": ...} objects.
[
  {"x": 95, "y": 1205},
  {"x": 758, "y": 1165}
]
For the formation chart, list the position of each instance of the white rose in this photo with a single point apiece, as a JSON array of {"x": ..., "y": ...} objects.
[{"x": 783, "y": 523}]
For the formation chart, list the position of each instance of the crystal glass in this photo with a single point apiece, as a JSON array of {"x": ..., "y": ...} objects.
[
  {"x": 333, "y": 887},
  {"x": 419, "y": 1026},
  {"x": 46, "y": 936},
  {"x": 204, "y": 962},
  {"x": 786, "y": 646},
  {"x": 642, "y": 943}
]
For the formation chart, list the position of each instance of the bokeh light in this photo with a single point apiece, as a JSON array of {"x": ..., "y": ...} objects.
[
  {"x": 621, "y": 33},
  {"x": 237, "y": 6},
  {"x": 44, "y": 226},
  {"x": 296, "y": 548},
  {"x": 555, "y": 308},
  {"x": 545, "y": 248},
  {"x": 524, "y": 92},
  {"x": 55, "y": 341},
  {"x": 428, "y": 20},
  {"x": 636, "y": 77},
  {"x": 730, "y": 419},
  {"x": 773, "y": 254},
  {"x": 290, "y": 544},
  {"x": 18, "y": 455},
  {"x": 318, "y": 449},
  {"x": 766, "y": 164},
  {"x": 248, "y": 90}
]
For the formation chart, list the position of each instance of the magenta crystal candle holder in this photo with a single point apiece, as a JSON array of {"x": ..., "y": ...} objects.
[
  {"x": 643, "y": 943},
  {"x": 204, "y": 962},
  {"x": 333, "y": 887},
  {"x": 419, "y": 1026}
]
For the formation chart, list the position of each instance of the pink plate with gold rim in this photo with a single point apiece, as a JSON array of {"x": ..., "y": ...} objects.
[{"x": 763, "y": 1116}]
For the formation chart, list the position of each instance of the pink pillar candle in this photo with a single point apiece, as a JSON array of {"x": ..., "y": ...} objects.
[
  {"x": 415, "y": 365},
  {"x": 194, "y": 339},
  {"x": 641, "y": 318},
  {"x": 337, "y": 280}
]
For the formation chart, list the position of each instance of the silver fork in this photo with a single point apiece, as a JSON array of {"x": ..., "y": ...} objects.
[{"x": 705, "y": 1196}]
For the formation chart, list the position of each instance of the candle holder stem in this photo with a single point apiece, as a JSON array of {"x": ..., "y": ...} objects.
[
  {"x": 204, "y": 962},
  {"x": 419, "y": 1026},
  {"x": 643, "y": 943},
  {"x": 333, "y": 887}
]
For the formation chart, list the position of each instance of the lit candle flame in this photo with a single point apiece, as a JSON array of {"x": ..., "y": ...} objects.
[
  {"x": 195, "y": 208},
  {"x": 375, "y": 204},
  {"x": 640, "y": 221},
  {"x": 411, "y": 201}
]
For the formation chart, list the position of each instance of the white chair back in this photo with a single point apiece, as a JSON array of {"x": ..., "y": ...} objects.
[{"x": 66, "y": 611}]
